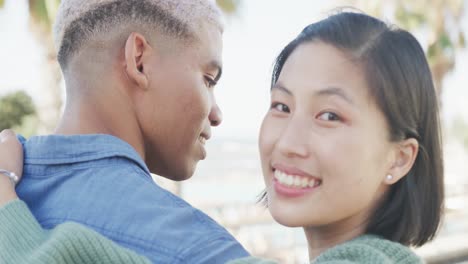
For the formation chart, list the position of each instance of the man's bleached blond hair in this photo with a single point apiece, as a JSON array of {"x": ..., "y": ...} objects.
[{"x": 80, "y": 21}]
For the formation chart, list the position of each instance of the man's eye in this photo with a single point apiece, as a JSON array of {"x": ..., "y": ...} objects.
[
  {"x": 280, "y": 107},
  {"x": 329, "y": 116},
  {"x": 210, "y": 82}
]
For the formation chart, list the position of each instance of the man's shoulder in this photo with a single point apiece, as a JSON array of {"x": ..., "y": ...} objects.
[
  {"x": 123, "y": 203},
  {"x": 139, "y": 214}
]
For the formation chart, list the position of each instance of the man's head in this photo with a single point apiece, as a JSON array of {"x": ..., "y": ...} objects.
[{"x": 148, "y": 67}]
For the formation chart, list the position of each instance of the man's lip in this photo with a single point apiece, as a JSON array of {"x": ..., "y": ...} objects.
[
  {"x": 290, "y": 170},
  {"x": 207, "y": 136},
  {"x": 203, "y": 153}
]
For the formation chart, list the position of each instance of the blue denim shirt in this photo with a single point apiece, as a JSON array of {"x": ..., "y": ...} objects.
[{"x": 101, "y": 182}]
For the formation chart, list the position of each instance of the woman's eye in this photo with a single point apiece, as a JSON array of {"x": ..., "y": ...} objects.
[
  {"x": 329, "y": 116},
  {"x": 280, "y": 107}
]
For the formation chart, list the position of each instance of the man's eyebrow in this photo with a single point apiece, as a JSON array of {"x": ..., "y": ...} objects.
[
  {"x": 281, "y": 88},
  {"x": 329, "y": 91},
  {"x": 216, "y": 65}
]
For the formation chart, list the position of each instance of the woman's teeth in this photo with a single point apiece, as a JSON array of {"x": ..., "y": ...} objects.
[{"x": 295, "y": 181}]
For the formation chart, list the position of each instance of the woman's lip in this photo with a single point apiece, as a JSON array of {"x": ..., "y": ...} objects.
[
  {"x": 291, "y": 192},
  {"x": 292, "y": 171}
]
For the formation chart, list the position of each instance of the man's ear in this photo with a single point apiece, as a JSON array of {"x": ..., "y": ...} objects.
[
  {"x": 137, "y": 54},
  {"x": 405, "y": 153}
]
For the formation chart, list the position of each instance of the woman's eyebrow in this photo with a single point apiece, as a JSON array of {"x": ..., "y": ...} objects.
[
  {"x": 334, "y": 91},
  {"x": 281, "y": 88}
]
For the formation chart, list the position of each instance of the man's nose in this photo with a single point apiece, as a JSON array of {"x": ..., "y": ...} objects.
[{"x": 215, "y": 116}]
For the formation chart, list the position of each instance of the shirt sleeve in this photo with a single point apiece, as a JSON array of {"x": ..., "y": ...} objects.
[{"x": 23, "y": 240}]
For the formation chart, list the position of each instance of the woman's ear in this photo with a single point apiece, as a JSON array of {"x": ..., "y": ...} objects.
[
  {"x": 405, "y": 155},
  {"x": 137, "y": 54}
]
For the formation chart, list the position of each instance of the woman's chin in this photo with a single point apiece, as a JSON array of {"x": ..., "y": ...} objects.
[{"x": 284, "y": 218}]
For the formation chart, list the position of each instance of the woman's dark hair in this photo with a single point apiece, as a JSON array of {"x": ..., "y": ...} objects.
[{"x": 400, "y": 81}]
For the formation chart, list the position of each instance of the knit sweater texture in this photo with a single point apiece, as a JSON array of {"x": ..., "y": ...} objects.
[
  {"x": 22, "y": 240},
  {"x": 366, "y": 249}
]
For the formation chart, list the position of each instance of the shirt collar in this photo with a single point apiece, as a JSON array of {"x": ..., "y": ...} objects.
[{"x": 59, "y": 149}]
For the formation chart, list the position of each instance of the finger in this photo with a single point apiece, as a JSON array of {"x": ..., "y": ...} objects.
[
  {"x": 9, "y": 141},
  {"x": 7, "y": 134}
]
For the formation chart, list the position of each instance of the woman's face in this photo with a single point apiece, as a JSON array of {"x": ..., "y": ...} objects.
[{"x": 324, "y": 144}]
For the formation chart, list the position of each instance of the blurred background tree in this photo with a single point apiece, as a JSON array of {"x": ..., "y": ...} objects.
[
  {"x": 229, "y": 7},
  {"x": 15, "y": 108},
  {"x": 42, "y": 13}
]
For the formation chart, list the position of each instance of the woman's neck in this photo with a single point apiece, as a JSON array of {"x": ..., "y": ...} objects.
[{"x": 319, "y": 239}]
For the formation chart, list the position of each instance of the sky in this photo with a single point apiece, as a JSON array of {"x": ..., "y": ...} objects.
[{"x": 251, "y": 41}]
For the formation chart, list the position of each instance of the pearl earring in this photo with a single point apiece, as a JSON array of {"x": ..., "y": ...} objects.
[{"x": 389, "y": 177}]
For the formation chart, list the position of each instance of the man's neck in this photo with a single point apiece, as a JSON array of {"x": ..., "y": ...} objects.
[{"x": 102, "y": 116}]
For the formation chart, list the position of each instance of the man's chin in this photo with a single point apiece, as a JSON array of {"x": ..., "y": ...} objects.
[
  {"x": 180, "y": 178},
  {"x": 177, "y": 175}
]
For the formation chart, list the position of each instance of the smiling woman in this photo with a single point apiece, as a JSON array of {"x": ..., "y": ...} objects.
[{"x": 350, "y": 148}]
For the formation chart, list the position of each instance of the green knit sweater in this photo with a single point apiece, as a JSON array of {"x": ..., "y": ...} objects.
[
  {"x": 22, "y": 240},
  {"x": 366, "y": 249}
]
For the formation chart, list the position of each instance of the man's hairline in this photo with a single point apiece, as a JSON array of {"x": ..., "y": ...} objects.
[
  {"x": 185, "y": 38},
  {"x": 179, "y": 42}
]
